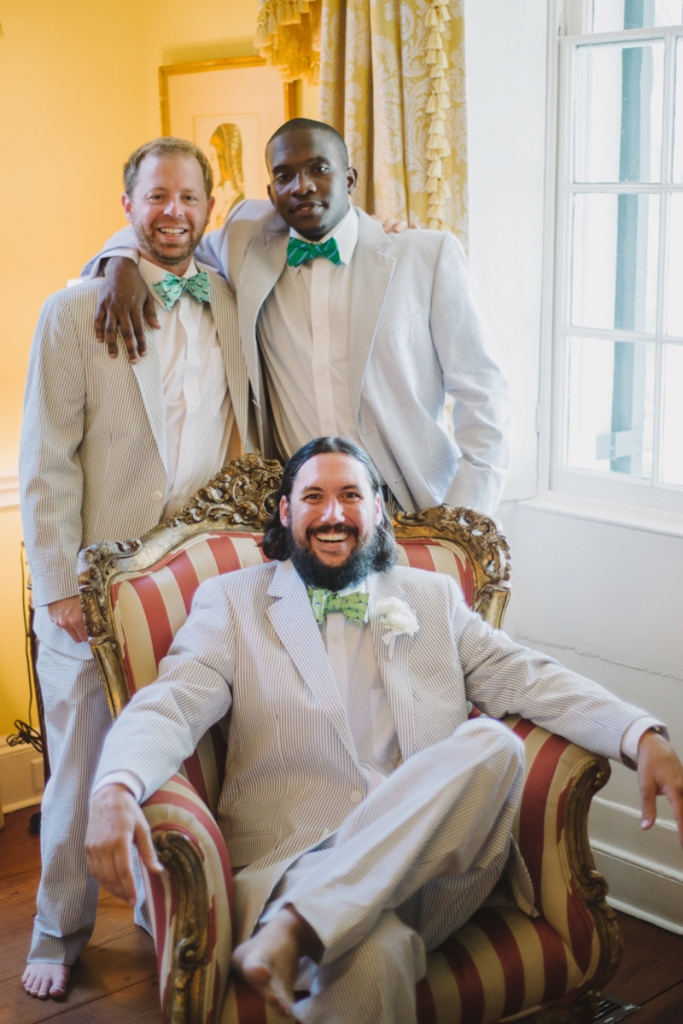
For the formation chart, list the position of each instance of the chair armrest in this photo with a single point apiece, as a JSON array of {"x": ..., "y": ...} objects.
[
  {"x": 551, "y": 828},
  {"x": 190, "y": 904}
]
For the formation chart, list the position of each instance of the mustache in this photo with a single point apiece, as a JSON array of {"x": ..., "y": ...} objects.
[{"x": 314, "y": 531}]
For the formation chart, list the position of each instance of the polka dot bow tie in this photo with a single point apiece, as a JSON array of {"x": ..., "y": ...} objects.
[
  {"x": 353, "y": 606},
  {"x": 299, "y": 252},
  {"x": 170, "y": 288}
]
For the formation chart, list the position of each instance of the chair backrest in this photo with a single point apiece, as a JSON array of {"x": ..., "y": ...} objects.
[{"x": 137, "y": 594}]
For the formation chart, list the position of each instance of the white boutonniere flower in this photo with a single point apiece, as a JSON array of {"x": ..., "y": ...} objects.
[{"x": 397, "y": 618}]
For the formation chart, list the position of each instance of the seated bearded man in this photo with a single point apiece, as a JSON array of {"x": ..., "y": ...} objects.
[{"x": 366, "y": 818}]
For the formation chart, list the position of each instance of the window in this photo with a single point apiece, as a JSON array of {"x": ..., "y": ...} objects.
[{"x": 618, "y": 339}]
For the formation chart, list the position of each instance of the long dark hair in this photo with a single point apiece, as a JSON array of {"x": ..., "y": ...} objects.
[{"x": 277, "y": 541}]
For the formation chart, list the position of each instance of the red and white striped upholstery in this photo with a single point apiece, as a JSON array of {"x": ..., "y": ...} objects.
[{"x": 501, "y": 964}]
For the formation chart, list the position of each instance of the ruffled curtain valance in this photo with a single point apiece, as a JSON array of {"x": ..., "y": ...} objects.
[{"x": 392, "y": 81}]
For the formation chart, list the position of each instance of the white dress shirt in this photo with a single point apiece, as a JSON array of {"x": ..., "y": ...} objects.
[
  {"x": 303, "y": 334},
  {"x": 199, "y": 413},
  {"x": 354, "y": 665}
]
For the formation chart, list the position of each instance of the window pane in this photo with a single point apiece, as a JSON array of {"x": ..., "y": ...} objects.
[
  {"x": 611, "y": 406},
  {"x": 672, "y": 420},
  {"x": 673, "y": 308},
  {"x": 613, "y": 15},
  {"x": 614, "y": 261},
  {"x": 677, "y": 169},
  {"x": 618, "y": 112}
]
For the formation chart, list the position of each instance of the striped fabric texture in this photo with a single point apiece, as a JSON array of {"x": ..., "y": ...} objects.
[{"x": 502, "y": 963}]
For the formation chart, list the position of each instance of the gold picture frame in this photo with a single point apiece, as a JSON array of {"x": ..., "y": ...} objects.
[{"x": 229, "y": 108}]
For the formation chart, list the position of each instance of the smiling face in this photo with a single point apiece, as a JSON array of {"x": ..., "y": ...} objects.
[
  {"x": 332, "y": 513},
  {"x": 169, "y": 210},
  {"x": 309, "y": 184}
]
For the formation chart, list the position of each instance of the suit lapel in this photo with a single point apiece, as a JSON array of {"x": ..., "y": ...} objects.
[
  {"x": 293, "y": 622},
  {"x": 394, "y": 669},
  {"x": 372, "y": 273},
  {"x": 224, "y": 313},
  {"x": 263, "y": 264},
  {"x": 147, "y": 373}
]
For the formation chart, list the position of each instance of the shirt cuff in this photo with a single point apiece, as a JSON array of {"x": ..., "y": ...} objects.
[
  {"x": 124, "y": 778},
  {"x": 631, "y": 738}
]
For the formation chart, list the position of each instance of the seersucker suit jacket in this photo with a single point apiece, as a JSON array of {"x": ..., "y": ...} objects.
[
  {"x": 417, "y": 332},
  {"x": 92, "y": 463},
  {"x": 251, "y": 648}
]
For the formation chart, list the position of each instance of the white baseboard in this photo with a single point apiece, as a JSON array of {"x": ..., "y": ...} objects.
[
  {"x": 642, "y": 868},
  {"x": 21, "y": 776},
  {"x": 641, "y": 892}
]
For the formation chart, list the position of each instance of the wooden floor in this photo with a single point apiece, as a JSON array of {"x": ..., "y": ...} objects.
[{"x": 115, "y": 980}]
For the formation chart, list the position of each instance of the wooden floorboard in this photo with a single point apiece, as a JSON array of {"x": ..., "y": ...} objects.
[
  {"x": 666, "y": 1008},
  {"x": 115, "y": 980},
  {"x": 652, "y": 963}
]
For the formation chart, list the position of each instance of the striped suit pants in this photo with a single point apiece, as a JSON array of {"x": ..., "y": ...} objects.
[
  {"x": 77, "y": 719},
  {"x": 407, "y": 868}
]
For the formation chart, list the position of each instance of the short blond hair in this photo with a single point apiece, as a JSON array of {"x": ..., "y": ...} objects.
[{"x": 166, "y": 145}]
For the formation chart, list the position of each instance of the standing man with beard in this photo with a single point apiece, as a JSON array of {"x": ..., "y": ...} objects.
[
  {"x": 366, "y": 818},
  {"x": 347, "y": 330},
  {"x": 106, "y": 452}
]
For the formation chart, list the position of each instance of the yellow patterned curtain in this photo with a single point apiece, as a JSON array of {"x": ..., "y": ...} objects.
[
  {"x": 392, "y": 81},
  {"x": 288, "y": 36}
]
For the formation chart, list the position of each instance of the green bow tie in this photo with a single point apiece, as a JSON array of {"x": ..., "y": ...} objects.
[
  {"x": 353, "y": 606},
  {"x": 170, "y": 288},
  {"x": 299, "y": 252}
]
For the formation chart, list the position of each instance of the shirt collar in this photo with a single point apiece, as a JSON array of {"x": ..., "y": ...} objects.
[
  {"x": 355, "y": 588},
  {"x": 151, "y": 273},
  {"x": 346, "y": 234}
]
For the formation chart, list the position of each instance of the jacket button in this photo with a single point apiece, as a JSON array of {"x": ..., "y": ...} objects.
[
  {"x": 356, "y": 796},
  {"x": 157, "y": 496}
]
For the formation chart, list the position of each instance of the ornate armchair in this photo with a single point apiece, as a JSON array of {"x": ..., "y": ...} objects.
[{"x": 502, "y": 965}]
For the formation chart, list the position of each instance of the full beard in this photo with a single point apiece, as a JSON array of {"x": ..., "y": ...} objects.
[{"x": 314, "y": 573}]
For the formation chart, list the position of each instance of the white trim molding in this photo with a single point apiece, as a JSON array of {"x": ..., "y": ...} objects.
[
  {"x": 21, "y": 776},
  {"x": 9, "y": 490},
  {"x": 642, "y": 868}
]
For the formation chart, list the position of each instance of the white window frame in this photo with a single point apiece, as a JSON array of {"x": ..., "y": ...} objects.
[{"x": 566, "y": 30}]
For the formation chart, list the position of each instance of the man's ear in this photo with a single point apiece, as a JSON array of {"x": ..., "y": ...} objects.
[
  {"x": 127, "y": 207},
  {"x": 284, "y": 511},
  {"x": 209, "y": 207},
  {"x": 270, "y": 194},
  {"x": 378, "y": 509},
  {"x": 351, "y": 179}
]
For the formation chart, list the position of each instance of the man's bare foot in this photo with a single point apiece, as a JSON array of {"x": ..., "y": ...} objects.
[
  {"x": 269, "y": 961},
  {"x": 45, "y": 980}
]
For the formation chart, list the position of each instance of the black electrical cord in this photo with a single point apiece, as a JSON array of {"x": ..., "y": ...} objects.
[{"x": 25, "y": 732}]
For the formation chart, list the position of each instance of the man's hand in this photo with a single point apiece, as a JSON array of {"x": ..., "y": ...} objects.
[
  {"x": 116, "y": 821},
  {"x": 393, "y": 225},
  {"x": 68, "y": 615},
  {"x": 124, "y": 302},
  {"x": 660, "y": 773}
]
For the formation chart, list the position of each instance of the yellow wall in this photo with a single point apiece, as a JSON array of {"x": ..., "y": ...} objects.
[{"x": 78, "y": 92}]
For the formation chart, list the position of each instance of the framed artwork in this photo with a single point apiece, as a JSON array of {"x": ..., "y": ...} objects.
[{"x": 229, "y": 108}]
